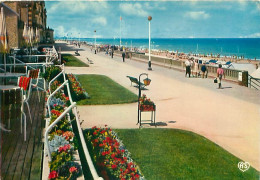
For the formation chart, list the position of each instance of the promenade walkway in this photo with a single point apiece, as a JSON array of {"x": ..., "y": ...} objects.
[{"x": 229, "y": 117}]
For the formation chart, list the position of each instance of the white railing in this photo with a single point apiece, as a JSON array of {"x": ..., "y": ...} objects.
[
  {"x": 52, "y": 125},
  {"x": 72, "y": 106}
]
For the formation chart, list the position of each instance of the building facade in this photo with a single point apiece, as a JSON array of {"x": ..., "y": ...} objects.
[{"x": 31, "y": 13}]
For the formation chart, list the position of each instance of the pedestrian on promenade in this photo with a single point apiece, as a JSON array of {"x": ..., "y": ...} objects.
[
  {"x": 112, "y": 52},
  {"x": 192, "y": 67},
  {"x": 123, "y": 55},
  {"x": 204, "y": 70},
  {"x": 195, "y": 68},
  {"x": 220, "y": 74},
  {"x": 187, "y": 64}
]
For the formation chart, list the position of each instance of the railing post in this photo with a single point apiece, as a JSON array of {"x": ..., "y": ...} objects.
[
  {"x": 48, "y": 100},
  {"x": 245, "y": 78},
  {"x": 54, "y": 79}
]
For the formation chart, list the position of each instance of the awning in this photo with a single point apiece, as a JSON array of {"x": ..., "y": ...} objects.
[{"x": 8, "y": 11}]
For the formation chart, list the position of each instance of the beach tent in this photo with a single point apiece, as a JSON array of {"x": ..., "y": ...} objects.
[
  {"x": 256, "y": 73},
  {"x": 213, "y": 61},
  {"x": 244, "y": 67}
]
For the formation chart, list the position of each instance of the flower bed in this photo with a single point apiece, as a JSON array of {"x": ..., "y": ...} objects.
[
  {"x": 63, "y": 144},
  {"x": 111, "y": 156},
  {"x": 78, "y": 93}
]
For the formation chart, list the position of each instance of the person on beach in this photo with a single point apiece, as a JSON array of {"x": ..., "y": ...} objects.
[
  {"x": 123, "y": 55},
  {"x": 187, "y": 64},
  {"x": 220, "y": 74},
  {"x": 204, "y": 70}
]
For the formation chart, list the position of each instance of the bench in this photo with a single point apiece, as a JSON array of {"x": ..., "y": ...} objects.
[
  {"x": 89, "y": 61},
  {"x": 77, "y": 53},
  {"x": 135, "y": 80}
]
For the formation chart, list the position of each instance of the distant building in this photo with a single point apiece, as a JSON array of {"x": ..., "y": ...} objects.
[{"x": 34, "y": 14}]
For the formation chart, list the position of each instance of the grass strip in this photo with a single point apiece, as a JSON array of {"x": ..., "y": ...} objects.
[
  {"x": 73, "y": 61},
  {"x": 178, "y": 154},
  {"x": 103, "y": 90}
]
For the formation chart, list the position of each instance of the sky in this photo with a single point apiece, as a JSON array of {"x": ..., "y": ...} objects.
[{"x": 170, "y": 19}]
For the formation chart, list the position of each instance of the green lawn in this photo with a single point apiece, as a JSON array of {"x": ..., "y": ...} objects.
[
  {"x": 103, "y": 90},
  {"x": 73, "y": 61},
  {"x": 166, "y": 154}
]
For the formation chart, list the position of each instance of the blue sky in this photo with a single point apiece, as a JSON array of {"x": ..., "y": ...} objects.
[{"x": 171, "y": 19}]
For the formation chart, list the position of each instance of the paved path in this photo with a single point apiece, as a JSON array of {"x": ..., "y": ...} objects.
[{"x": 229, "y": 117}]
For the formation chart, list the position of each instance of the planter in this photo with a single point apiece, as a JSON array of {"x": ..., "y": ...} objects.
[{"x": 147, "y": 107}]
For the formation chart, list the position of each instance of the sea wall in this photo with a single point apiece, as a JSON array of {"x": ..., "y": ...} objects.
[{"x": 231, "y": 74}]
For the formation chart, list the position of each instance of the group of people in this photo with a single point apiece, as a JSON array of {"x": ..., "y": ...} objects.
[
  {"x": 110, "y": 51},
  {"x": 192, "y": 67}
]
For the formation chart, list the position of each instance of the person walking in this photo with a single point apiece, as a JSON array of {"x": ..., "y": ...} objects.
[
  {"x": 112, "y": 52},
  {"x": 220, "y": 74},
  {"x": 187, "y": 64},
  {"x": 195, "y": 68},
  {"x": 123, "y": 55},
  {"x": 203, "y": 70}
]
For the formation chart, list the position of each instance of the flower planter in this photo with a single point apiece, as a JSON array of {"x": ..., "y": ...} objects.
[{"x": 147, "y": 107}]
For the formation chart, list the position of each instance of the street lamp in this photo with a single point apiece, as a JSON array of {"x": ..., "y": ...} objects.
[
  {"x": 95, "y": 42},
  {"x": 120, "y": 32},
  {"x": 149, "y": 62}
]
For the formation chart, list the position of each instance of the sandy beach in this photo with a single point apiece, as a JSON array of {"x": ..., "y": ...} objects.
[{"x": 228, "y": 117}]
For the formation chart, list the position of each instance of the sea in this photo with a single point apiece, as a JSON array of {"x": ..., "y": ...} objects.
[{"x": 249, "y": 48}]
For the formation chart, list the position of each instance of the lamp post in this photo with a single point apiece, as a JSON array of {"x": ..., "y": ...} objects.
[
  {"x": 149, "y": 62},
  {"x": 139, "y": 95},
  {"x": 120, "y": 32},
  {"x": 95, "y": 42},
  {"x": 79, "y": 38}
]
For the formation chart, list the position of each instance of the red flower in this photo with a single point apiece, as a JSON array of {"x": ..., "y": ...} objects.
[
  {"x": 103, "y": 153},
  {"x": 122, "y": 150},
  {"x": 53, "y": 175},
  {"x": 64, "y": 148},
  {"x": 114, "y": 166},
  {"x": 137, "y": 175},
  {"x": 113, "y": 155},
  {"x": 73, "y": 169}
]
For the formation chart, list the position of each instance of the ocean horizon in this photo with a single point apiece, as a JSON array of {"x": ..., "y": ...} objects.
[{"x": 247, "y": 47}]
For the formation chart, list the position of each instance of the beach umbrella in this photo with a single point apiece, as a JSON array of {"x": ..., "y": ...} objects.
[
  {"x": 37, "y": 35},
  {"x": 3, "y": 35},
  {"x": 30, "y": 35},
  {"x": 25, "y": 33},
  {"x": 3, "y": 32}
]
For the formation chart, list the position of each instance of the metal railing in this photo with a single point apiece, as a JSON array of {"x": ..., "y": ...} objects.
[
  {"x": 231, "y": 74},
  {"x": 253, "y": 82},
  {"x": 74, "y": 111}
]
